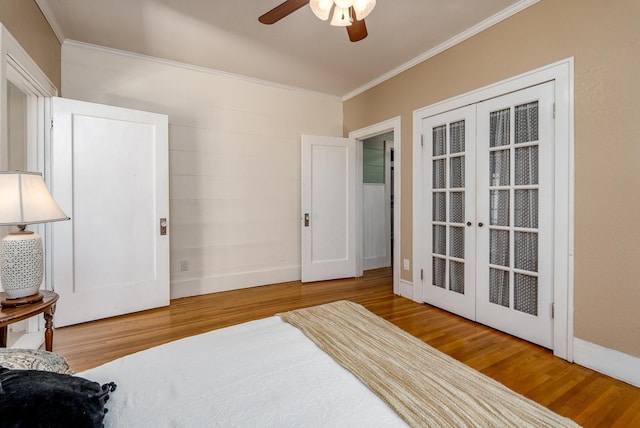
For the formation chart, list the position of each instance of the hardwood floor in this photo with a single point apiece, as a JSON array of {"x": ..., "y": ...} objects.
[{"x": 589, "y": 398}]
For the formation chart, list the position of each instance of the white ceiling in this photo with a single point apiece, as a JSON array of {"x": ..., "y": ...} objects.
[{"x": 299, "y": 51}]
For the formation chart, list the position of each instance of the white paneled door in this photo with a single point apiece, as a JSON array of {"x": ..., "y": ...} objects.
[
  {"x": 109, "y": 173},
  {"x": 328, "y": 208},
  {"x": 489, "y": 181}
]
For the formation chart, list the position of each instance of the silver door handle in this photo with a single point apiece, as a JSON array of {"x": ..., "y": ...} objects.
[
  {"x": 163, "y": 226},
  {"x": 306, "y": 219}
]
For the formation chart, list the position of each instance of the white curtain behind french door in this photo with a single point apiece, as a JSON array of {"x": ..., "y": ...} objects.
[{"x": 489, "y": 177}]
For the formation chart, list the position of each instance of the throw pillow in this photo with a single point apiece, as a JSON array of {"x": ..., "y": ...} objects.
[{"x": 34, "y": 398}]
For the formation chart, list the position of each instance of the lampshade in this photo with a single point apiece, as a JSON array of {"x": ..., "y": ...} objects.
[
  {"x": 24, "y": 199},
  {"x": 321, "y": 8},
  {"x": 341, "y": 17},
  {"x": 345, "y": 4},
  {"x": 363, "y": 8}
]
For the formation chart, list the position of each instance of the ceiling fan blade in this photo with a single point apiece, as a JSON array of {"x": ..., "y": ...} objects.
[
  {"x": 357, "y": 30},
  {"x": 282, "y": 10}
]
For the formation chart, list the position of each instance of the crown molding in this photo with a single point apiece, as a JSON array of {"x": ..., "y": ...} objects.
[
  {"x": 51, "y": 19},
  {"x": 487, "y": 23}
]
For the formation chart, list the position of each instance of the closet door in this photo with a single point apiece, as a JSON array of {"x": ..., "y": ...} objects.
[
  {"x": 515, "y": 213},
  {"x": 449, "y": 235}
]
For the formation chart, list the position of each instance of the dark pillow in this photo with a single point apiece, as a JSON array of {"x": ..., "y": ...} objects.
[{"x": 34, "y": 398}]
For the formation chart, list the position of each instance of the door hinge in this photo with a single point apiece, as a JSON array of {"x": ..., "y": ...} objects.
[
  {"x": 421, "y": 273},
  {"x": 553, "y": 310},
  {"x": 51, "y": 123},
  {"x": 554, "y": 110},
  {"x": 422, "y": 140}
]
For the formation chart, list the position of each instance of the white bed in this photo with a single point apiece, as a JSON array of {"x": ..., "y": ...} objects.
[
  {"x": 257, "y": 374},
  {"x": 334, "y": 365}
]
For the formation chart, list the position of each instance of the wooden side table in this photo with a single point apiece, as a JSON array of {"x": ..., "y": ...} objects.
[{"x": 46, "y": 306}]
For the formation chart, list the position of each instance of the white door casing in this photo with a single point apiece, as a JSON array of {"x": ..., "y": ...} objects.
[
  {"x": 109, "y": 173},
  {"x": 328, "y": 208}
]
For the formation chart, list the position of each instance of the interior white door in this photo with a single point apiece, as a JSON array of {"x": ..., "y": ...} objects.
[
  {"x": 449, "y": 153},
  {"x": 328, "y": 208},
  {"x": 515, "y": 204},
  {"x": 109, "y": 173}
]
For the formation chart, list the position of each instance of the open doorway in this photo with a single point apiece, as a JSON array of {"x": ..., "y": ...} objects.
[
  {"x": 377, "y": 201},
  {"x": 387, "y": 130}
]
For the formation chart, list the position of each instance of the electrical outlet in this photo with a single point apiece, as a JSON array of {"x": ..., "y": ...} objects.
[
  {"x": 406, "y": 264},
  {"x": 184, "y": 265}
]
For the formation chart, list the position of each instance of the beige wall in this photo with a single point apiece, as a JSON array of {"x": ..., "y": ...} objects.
[
  {"x": 26, "y": 23},
  {"x": 604, "y": 39}
]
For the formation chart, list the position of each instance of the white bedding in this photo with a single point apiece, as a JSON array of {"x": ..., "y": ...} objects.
[{"x": 264, "y": 373}]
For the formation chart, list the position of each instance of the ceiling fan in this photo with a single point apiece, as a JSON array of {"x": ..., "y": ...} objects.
[{"x": 346, "y": 13}]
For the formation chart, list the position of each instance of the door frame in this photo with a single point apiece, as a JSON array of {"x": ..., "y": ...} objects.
[
  {"x": 392, "y": 124},
  {"x": 18, "y": 67},
  {"x": 562, "y": 73}
]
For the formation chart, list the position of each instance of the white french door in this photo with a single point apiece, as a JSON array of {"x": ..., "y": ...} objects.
[
  {"x": 489, "y": 174},
  {"x": 449, "y": 141},
  {"x": 515, "y": 203}
]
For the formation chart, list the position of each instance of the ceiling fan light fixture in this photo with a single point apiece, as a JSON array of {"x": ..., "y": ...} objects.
[
  {"x": 345, "y": 4},
  {"x": 341, "y": 17},
  {"x": 321, "y": 8},
  {"x": 363, "y": 8}
]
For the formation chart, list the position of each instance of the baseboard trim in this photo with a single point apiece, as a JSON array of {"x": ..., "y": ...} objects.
[
  {"x": 613, "y": 363},
  {"x": 236, "y": 281},
  {"x": 406, "y": 289},
  {"x": 29, "y": 341}
]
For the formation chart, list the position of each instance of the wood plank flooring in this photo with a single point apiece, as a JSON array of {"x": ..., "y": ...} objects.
[{"x": 589, "y": 398}]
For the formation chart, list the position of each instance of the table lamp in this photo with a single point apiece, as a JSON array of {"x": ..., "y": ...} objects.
[{"x": 24, "y": 199}]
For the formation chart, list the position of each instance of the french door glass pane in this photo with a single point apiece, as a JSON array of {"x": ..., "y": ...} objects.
[
  {"x": 525, "y": 293},
  {"x": 440, "y": 239},
  {"x": 499, "y": 287},
  {"x": 439, "y": 269},
  {"x": 499, "y": 167},
  {"x": 456, "y": 132},
  {"x": 439, "y": 174},
  {"x": 526, "y": 167},
  {"x": 439, "y": 140},
  {"x": 499, "y": 247},
  {"x": 439, "y": 206},
  {"x": 526, "y": 251},
  {"x": 456, "y": 277},
  {"x": 499, "y": 128},
  {"x": 456, "y": 243},
  {"x": 526, "y": 128},
  {"x": 457, "y": 172},
  {"x": 525, "y": 211},
  {"x": 499, "y": 206},
  {"x": 456, "y": 207}
]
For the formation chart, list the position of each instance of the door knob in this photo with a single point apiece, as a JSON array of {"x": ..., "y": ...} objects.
[
  {"x": 163, "y": 226},
  {"x": 480, "y": 224},
  {"x": 306, "y": 219},
  {"x": 469, "y": 223}
]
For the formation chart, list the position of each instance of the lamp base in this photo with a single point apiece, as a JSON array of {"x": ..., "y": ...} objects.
[
  {"x": 12, "y": 303},
  {"x": 22, "y": 260}
]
